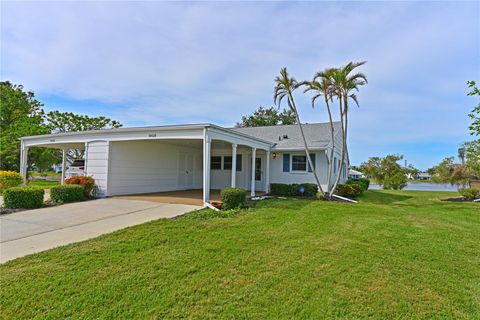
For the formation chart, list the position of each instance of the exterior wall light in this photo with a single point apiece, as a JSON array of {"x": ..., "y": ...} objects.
[{"x": 274, "y": 155}]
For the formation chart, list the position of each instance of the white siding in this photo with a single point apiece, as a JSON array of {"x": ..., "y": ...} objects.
[
  {"x": 222, "y": 178},
  {"x": 149, "y": 166},
  {"x": 278, "y": 176},
  {"x": 96, "y": 163}
]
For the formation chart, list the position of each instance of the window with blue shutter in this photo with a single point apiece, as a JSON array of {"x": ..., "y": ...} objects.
[
  {"x": 286, "y": 162},
  {"x": 312, "y": 157}
]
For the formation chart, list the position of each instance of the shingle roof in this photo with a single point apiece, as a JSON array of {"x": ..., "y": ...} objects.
[{"x": 317, "y": 134}]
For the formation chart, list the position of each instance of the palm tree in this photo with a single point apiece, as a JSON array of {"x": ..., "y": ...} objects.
[
  {"x": 344, "y": 86},
  {"x": 284, "y": 87},
  {"x": 322, "y": 87}
]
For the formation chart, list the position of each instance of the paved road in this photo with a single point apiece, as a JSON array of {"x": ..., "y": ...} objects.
[{"x": 27, "y": 232}]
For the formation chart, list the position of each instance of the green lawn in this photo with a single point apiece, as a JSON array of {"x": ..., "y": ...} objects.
[
  {"x": 395, "y": 255},
  {"x": 44, "y": 183}
]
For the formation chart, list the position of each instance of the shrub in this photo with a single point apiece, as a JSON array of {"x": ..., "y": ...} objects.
[
  {"x": 67, "y": 193},
  {"x": 350, "y": 191},
  {"x": 233, "y": 198},
  {"x": 470, "y": 194},
  {"x": 293, "y": 190},
  {"x": 88, "y": 184},
  {"x": 279, "y": 189},
  {"x": 364, "y": 183},
  {"x": 9, "y": 179},
  {"x": 395, "y": 181},
  {"x": 23, "y": 197}
]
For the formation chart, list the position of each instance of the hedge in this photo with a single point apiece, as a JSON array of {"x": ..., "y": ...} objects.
[
  {"x": 293, "y": 190},
  {"x": 88, "y": 184},
  {"x": 233, "y": 198},
  {"x": 67, "y": 193},
  {"x": 364, "y": 183},
  {"x": 469, "y": 194},
  {"x": 23, "y": 197},
  {"x": 350, "y": 191},
  {"x": 9, "y": 179}
]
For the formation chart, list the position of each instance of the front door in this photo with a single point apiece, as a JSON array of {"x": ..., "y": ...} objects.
[
  {"x": 185, "y": 171},
  {"x": 259, "y": 174}
]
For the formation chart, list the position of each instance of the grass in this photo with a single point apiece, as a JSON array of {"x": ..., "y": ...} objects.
[
  {"x": 44, "y": 174},
  {"x": 395, "y": 255},
  {"x": 44, "y": 183}
]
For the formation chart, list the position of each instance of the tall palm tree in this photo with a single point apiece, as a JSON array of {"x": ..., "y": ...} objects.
[
  {"x": 345, "y": 84},
  {"x": 322, "y": 87},
  {"x": 284, "y": 87}
]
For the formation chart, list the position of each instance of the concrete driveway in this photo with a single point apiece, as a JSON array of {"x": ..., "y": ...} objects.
[{"x": 27, "y": 232}]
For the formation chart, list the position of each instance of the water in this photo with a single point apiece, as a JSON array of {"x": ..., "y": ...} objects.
[{"x": 423, "y": 186}]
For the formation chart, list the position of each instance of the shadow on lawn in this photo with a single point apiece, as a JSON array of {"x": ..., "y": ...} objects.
[{"x": 378, "y": 197}]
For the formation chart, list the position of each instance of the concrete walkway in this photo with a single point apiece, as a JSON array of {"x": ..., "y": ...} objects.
[{"x": 27, "y": 232}]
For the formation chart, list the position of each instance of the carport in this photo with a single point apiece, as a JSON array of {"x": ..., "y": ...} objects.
[{"x": 174, "y": 162}]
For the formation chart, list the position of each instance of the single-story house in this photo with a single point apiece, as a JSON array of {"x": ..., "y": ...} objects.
[
  {"x": 354, "y": 174},
  {"x": 199, "y": 156}
]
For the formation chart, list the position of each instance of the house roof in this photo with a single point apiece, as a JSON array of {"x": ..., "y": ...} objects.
[{"x": 289, "y": 136}]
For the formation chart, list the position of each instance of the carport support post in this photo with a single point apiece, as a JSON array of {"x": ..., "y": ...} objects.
[
  {"x": 252, "y": 186},
  {"x": 206, "y": 168},
  {"x": 234, "y": 164},
  {"x": 23, "y": 162},
  {"x": 267, "y": 172},
  {"x": 64, "y": 162}
]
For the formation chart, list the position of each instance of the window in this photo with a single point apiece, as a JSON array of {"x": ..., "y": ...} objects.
[
  {"x": 239, "y": 162},
  {"x": 216, "y": 163},
  {"x": 299, "y": 163},
  {"x": 227, "y": 163}
]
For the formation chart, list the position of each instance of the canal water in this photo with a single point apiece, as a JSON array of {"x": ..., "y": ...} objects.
[{"x": 423, "y": 186}]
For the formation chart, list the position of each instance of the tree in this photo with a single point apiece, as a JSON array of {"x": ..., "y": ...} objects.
[
  {"x": 475, "y": 114},
  {"x": 386, "y": 171},
  {"x": 58, "y": 122},
  {"x": 284, "y": 87},
  {"x": 448, "y": 171},
  {"x": 267, "y": 117},
  {"x": 344, "y": 84},
  {"x": 21, "y": 115},
  {"x": 321, "y": 86}
]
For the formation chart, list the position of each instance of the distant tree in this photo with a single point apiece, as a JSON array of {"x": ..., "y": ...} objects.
[
  {"x": 267, "y": 117},
  {"x": 475, "y": 113},
  {"x": 284, "y": 87},
  {"x": 59, "y": 122},
  {"x": 21, "y": 115},
  {"x": 386, "y": 171},
  {"x": 448, "y": 171},
  {"x": 412, "y": 171}
]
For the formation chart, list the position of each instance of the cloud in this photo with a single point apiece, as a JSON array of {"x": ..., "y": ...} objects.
[{"x": 148, "y": 63}]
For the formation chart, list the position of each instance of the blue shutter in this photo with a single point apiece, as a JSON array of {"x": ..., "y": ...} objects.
[
  {"x": 286, "y": 162},
  {"x": 312, "y": 157}
]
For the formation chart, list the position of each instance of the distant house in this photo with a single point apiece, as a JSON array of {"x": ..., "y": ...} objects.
[
  {"x": 424, "y": 176},
  {"x": 354, "y": 174},
  {"x": 200, "y": 156}
]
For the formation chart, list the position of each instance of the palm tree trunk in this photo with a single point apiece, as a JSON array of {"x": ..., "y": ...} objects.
[
  {"x": 344, "y": 122},
  {"x": 307, "y": 151},
  {"x": 330, "y": 162}
]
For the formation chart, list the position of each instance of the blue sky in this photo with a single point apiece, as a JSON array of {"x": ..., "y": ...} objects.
[{"x": 152, "y": 63}]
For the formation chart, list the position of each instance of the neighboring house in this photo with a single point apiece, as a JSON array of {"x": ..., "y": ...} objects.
[
  {"x": 200, "y": 156},
  {"x": 424, "y": 176},
  {"x": 354, "y": 174}
]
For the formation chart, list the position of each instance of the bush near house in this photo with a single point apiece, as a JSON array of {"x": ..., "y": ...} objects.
[
  {"x": 67, "y": 193},
  {"x": 293, "y": 190},
  {"x": 364, "y": 183},
  {"x": 469, "y": 194},
  {"x": 88, "y": 184},
  {"x": 350, "y": 191},
  {"x": 23, "y": 198},
  {"x": 233, "y": 198},
  {"x": 9, "y": 179}
]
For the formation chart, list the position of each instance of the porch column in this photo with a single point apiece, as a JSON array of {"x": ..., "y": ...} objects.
[
  {"x": 267, "y": 172},
  {"x": 234, "y": 164},
  {"x": 24, "y": 162},
  {"x": 64, "y": 162},
  {"x": 206, "y": 168},
  {"x": 252, "y": 186}
]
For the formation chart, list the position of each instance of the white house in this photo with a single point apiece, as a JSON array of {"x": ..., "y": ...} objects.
[
  {"x": 354, "y": 174},
  {"x": 199, "y": 156}
]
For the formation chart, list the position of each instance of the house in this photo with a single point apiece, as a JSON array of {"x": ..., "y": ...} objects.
[
  {"x": 199, "y": 156},
  {"x": 423, "y": 176},
  {"x": 354, "y": 174}
]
